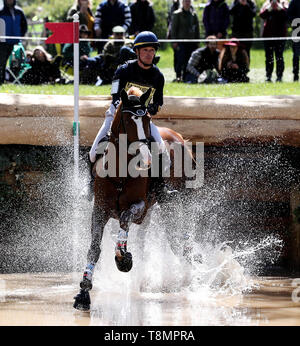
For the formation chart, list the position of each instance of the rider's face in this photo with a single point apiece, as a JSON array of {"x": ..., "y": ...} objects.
[{"x": 147, "y": 54}]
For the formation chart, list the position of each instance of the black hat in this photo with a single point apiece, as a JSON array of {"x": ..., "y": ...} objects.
[{"x": 84, "y": 28}]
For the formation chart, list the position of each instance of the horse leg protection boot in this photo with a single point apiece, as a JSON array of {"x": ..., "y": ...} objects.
[{"x": 86, "y": 282}]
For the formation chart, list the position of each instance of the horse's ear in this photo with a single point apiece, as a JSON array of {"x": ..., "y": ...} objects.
[
  {"x": 124, "y": 97},
  {"x": 145, "y": 96}
]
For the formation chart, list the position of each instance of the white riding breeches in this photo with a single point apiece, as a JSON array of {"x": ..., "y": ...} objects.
[{"x": 105, "y": 128}]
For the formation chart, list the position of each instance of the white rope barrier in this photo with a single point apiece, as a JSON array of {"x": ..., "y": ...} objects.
[{"x": 294, "y": 38}]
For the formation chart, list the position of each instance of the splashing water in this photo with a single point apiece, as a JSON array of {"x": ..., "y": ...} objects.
[
  {"x": 211, "y": 268},
  {"x": 206, "y": 288},
  {"x": 219, "y": 261}
]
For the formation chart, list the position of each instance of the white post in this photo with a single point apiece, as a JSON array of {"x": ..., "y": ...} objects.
[
  {"x": 76, "y": 99},
  {"x": 76, "y": 136}
]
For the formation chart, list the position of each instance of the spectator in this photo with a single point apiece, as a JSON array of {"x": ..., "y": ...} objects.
[
  {"x": 43, "y": 70},
  {"x": 84, "y": 49},
  {"x": 234, "y": 63},
  {"x": 274, "y": 14},
  {"x": 243, "y": 12},
  {"x": 185, "y": 25},
  {"x": 104, "y": 65},
  {"x": 111, "y": 13},
  {"x": 143, "y": 17},
  {"x": 113, "y": 54},
  {"x": 84, "y": 9},
  {"x": 174, "y": 7},
  {"x": 204, "y": 61},
  {"x": 294, "y": 12},
  {"x": 13, "y": 23},
  {"x": 29, "y": 55},
  {"x": 216, "y": 19}
]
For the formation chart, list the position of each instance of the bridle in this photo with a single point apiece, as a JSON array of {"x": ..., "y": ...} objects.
[{"x": 136, "y": 111}]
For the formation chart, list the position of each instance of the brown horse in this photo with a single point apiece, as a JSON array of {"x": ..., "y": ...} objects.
[{"x": 129, "y": 190}]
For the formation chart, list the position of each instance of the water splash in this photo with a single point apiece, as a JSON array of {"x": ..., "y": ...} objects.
[
  {"x": 220, "y": 259},
  {"x": 214, "y": 268}
]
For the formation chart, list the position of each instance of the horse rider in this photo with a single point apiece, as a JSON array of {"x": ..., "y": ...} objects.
[{"x": 141, "y": 73}]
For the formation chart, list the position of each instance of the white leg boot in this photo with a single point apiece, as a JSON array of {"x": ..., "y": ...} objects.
[{"x": 105, "y": 128}]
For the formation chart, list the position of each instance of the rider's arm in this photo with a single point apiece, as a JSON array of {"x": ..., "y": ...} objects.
[
  {"x": 153, "y": 108},
  {"x": 118, "y": 83}
]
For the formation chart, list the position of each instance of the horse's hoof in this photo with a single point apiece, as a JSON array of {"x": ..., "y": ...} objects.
[
  {"x": 124, "y": 264},
  {"x": 82, "y": 301}
]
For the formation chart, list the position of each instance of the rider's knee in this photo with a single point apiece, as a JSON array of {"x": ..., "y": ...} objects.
[{"x": 110, "y": 113}]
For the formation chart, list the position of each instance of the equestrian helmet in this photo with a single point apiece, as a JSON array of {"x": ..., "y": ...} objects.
[{"x": 146, "y": 39}]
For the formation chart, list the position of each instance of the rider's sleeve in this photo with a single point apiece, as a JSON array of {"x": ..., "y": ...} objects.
[
  {"x": 158, "y": 97},
  {"x": 117, "y": 85}
]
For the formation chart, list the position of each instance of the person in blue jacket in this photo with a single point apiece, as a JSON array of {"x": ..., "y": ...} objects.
[
  {"x": 12, "y": 23},
  {"x": 110, "y": 13}
]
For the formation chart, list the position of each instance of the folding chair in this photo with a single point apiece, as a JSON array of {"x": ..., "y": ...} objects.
[
  {"x": 17, "y": 64},
  {"x": 65, "y": 70}
]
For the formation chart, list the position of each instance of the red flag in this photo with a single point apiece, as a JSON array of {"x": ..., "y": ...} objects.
[{"x": 63, "y": 32}]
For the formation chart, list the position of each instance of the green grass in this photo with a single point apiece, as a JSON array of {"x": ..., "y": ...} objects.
[
  {"x": 232, "y": 90},
  {"x": 256, "y": 87},
  {"x": 171, "y": 89}
]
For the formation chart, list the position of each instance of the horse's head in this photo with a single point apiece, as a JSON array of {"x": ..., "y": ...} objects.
[{"x": 136, "y": 121}]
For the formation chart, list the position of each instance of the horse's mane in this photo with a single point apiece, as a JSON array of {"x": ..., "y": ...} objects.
[
  {"x": 115, "y": 125},
  {"x": 135, "y": 91}
]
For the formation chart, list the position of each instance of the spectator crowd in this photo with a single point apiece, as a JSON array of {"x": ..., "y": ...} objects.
[{"x": 118, "y": 22}]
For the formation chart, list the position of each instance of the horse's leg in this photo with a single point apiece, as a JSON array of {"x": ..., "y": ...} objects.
[
  {"x": 82, "y": 300},
  {"x": 123, "y": 258}
]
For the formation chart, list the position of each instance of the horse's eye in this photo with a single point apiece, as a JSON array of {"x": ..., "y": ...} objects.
[{"x": 136, "y": 117}]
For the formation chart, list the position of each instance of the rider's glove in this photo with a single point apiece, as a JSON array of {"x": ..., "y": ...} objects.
[{"x": 153, "y": 108}]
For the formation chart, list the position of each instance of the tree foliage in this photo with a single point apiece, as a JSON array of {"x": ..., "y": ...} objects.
[{"x": 56, "y": 10}]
